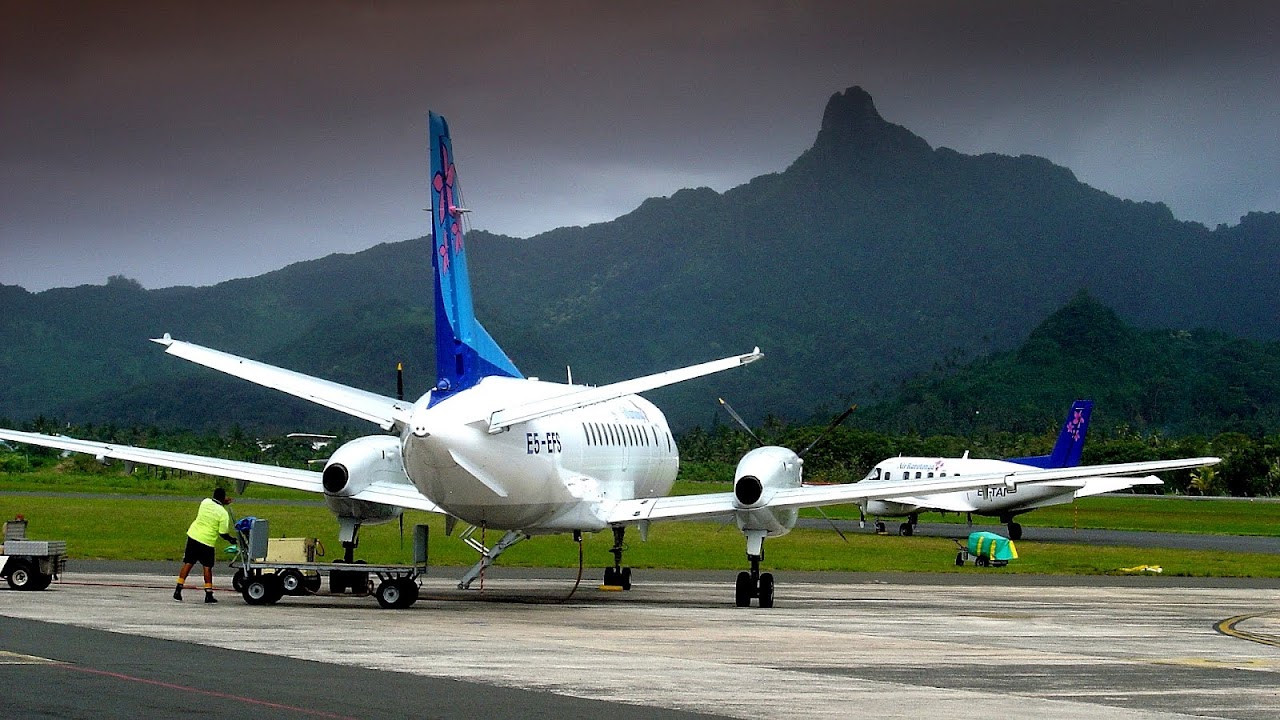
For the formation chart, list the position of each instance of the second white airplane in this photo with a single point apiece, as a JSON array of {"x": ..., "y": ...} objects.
[
  {"x": 1003, "y": 502},
  {"x": 496, "y": 450}
]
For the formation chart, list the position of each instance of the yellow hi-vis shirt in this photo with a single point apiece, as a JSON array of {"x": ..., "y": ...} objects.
[{"x": 211, "y": 521}]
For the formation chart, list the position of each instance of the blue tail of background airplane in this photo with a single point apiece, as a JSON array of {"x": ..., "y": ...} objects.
[
  {"x": 1066, "y": 452},
  {"x": 464, "y": 351}
]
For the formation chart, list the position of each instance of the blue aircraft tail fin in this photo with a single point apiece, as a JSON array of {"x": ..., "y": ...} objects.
[
  {"x": 1066, "y": 452},
  {"x": 464, "y": 351}
]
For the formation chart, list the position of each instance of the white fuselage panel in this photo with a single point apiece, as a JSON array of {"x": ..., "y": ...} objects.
[{"x": 550, "y": 474}]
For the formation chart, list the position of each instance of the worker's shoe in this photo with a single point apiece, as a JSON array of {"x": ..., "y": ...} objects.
[
  {"x": 177, "y": 593},
  {"x": 209, "y": 598}
]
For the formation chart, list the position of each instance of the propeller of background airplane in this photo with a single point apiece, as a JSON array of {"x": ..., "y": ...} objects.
[{"x": 821, "y": 436}]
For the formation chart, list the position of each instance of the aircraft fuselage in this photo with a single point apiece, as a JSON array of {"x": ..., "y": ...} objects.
[
  {"x": 551, "y": 474},
  {"x": 998, "y": 500}
]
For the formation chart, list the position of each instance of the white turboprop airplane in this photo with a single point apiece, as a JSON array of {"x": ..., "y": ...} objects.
[
  {"x": 1002, "y": 502},
  {"x": 499, "y": 451}
]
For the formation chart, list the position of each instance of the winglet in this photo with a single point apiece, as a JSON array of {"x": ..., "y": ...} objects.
[{"x": 166, "y": 341}]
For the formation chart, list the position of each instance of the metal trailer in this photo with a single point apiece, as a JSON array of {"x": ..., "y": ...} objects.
[
  {"x": 263, "y": 582},
  {"x": 30, "y": 564}
]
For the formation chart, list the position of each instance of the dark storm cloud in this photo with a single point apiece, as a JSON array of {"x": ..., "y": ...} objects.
[{"x": 189, "y": 143}]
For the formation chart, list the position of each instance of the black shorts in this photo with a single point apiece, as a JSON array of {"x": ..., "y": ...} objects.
[{"x": 198, "y": 552}]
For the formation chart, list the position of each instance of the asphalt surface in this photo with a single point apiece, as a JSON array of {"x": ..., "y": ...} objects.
[{"x": 111, "y": 643}]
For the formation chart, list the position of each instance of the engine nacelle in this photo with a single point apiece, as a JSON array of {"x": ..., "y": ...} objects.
[
  {"x": 889, "y": 508},
  {"x": 357, "y": 465},
  {"x": 760, "y": 474},
  {"x": 763, "y": 471}
]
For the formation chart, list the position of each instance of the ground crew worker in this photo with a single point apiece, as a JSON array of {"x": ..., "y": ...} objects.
[{"x": 212, "y": 520}]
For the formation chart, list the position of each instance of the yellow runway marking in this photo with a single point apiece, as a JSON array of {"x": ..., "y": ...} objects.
[
  {"x": 1228, "y": 627},
  {"x": 13, "y": 658}
]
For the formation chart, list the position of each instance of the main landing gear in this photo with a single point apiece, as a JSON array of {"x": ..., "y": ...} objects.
[
  {"x": 1015, "y": 530},
  {"x": 754, "y": 584},
  {"x": 908, "y": 528},
  {"x": 618, "y": 576}
]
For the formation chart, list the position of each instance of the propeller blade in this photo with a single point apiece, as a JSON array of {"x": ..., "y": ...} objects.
[
  {"x": 741, "y": 422},
  {"x": 834, "y": 424},
  {"x": 832, "y": 523}
]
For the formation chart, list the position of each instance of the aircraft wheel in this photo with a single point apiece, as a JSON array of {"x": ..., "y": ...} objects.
[
  {"x": 390, "y": 594},
  {"x": 879, "y": 528},
  {"x": 1015, "y": 531},
  {"x": 766, "y": 590},
  {"x": 610, "y": 577},
  {"x": 291, "y": 582},
  {"x": 21, "y": 576},
  {"x": 905, "y": 529},
  {"x": 744, "y": 589},
  {"x": 626, "y": 578},
  {"x": 237, "y": 580}
]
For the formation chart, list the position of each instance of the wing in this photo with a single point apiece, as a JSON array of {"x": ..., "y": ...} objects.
[
  {"x": 1097, "y": 486},
  {"x": 384, "y": 411},
  {"x": 689, "y": 507},
  {"x": 578, "y": 397},
  {"x": 387, "y": 493}
]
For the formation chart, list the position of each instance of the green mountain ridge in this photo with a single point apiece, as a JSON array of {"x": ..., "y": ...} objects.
[
  {"x": 1183, "y": 382},
  {"x": 872, "y": 258}
]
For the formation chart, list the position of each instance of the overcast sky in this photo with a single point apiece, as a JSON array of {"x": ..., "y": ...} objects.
[{"x": 189, "y": 143}]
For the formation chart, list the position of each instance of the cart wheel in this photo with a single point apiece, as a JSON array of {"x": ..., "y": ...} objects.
[
  {"x": 390, "y": 593},
  {"x": 408, "y": 592},
  {"x": 311, "y": 583},
  {"x": 237, "y": 580},
  {"x": 40, "y": 581},
  {"x": 413, "y": 591},
  {"x": 261, "y": 590},
  {"x": 959, "y": 559},
  {"x": 291, "y": 582},
  {"x": 20, "y": 575}
]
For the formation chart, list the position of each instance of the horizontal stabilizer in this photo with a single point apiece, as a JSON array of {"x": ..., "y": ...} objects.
[
  {"x": 579, "y": 397},
  {"x": 384, "y": 411}
]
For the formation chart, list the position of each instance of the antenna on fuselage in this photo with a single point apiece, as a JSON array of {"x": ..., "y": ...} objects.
[{"x": 399, "y": 381}]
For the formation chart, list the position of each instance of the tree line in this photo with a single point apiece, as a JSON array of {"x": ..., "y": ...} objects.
[{"x": 1250, "y": 464}]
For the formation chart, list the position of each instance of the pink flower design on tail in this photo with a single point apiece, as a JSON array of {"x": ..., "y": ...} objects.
[{"x": 445, "y": 184}]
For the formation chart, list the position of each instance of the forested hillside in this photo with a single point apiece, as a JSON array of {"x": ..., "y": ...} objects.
[{"x": 872, "y": 258}]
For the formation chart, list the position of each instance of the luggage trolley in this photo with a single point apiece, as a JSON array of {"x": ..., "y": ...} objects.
[
  {"x": 986, "y": 550},
  {"x": 263, "y": 582}
]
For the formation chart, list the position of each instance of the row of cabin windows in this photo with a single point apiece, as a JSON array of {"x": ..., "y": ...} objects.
[
  {"x": 622, "y": 435},
  {"x": 906, "y": 475}
]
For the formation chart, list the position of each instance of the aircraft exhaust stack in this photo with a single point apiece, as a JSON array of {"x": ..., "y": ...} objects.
[
  {"x": 747, "y": 490},
  {"x": 335, "y": 478}
]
